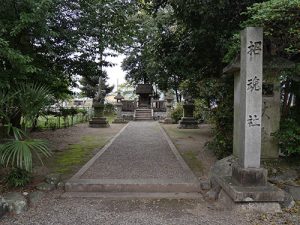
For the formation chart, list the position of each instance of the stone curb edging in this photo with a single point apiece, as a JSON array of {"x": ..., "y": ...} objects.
[{"x": 175, "y": 151}]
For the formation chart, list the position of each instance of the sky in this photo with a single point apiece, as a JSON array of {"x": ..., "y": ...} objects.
[{"x": 115, "y": 74}]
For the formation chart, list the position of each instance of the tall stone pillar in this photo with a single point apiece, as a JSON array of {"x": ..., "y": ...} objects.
[
  {"x": 248, "y": 182},
  {"x": 251, "y": 97}
]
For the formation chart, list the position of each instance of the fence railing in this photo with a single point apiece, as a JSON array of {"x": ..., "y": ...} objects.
[
  {"x": 63, "y": 117},
  {"x": 129, "y": 105},
  {"x": 158, "y": 105}
]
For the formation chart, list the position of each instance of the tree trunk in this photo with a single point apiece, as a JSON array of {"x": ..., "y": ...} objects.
[
  {"x": 2, "y": 132},
  {"x": 177, "y": 95},
  {"x": 34, "y": 124},
  {"x": 297, "y": 101},
  {"x": 287, "y": 96},
  {"x": 16, "y": 120}
]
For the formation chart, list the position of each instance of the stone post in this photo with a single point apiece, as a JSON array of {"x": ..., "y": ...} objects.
[
  {"x": 168, "y": 103},
  {"x": 251, "y": 97},
  {"x": 248, "y": 182},
  {"x": 248, "y": 171}
]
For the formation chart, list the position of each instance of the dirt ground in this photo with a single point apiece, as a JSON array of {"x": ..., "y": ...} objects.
[
  {"x": 60, "y": 139},
  {"x": 71, "y": 147}
]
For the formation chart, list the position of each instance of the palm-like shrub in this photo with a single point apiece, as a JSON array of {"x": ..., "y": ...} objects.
[
  {"x": 31, "y": 99},
  {"x": 25, "y": 99},
  {"x": 17, "y": 178},
  {"x": 28, "y": 100},
  {"x": 18, "y": 152}
]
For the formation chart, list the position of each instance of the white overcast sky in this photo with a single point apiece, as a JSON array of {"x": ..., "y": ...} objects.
[{"x": 115, "y": 74}]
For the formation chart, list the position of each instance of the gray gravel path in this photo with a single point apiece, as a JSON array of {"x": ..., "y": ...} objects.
[
  {"x": 140, "y": 152},
  {"x": 53, "y": 210}
]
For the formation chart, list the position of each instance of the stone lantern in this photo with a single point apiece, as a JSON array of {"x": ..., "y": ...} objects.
[
  {"x": 188, "y": 121},
  {"x": 98, "y": 120},
  {"x": 169, "y": 103},
  {"x": 119, "y": 105}
]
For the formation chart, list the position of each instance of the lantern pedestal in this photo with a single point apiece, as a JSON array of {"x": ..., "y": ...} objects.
[{"x": 98, "y": 121}]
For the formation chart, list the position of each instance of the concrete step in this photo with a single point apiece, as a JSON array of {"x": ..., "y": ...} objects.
[
  {"x": 135, "y": 185},
  {"x": 143, "y": 114},
  {"x": 131, "y": 195},
  {"x": 143, "y": 119}
]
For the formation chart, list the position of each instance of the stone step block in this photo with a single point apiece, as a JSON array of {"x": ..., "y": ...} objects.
[
  {"x": 132, "y": 195},
  {"x": 143, "y": 119},
  {"x": 116, "y": 185}
]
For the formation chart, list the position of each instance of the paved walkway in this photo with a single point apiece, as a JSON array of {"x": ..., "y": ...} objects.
[{"x": 141, "y": 158}]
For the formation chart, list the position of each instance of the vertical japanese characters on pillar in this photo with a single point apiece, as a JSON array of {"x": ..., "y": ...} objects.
[{"x": 251, "y": 96}]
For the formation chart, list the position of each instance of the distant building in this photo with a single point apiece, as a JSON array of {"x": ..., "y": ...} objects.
[
  {"x": 110, "y": 99},
  {"x": 80, "y": 103}
]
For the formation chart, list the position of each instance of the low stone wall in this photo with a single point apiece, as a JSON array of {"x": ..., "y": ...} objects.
[
  {"x": 128, "y": 116},
  {"x": 159, "y": 115}
]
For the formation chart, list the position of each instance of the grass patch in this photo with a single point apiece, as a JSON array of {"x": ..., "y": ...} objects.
[
  {"x": 110, "y": 118},
  {"x": 191, "y": 159},
  {"x": 176, "y": 133},
  {"x": 77, "y": 154}
]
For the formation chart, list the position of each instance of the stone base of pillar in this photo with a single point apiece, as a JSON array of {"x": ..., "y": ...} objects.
[
  {"x": 248, "y": 185},
  {"x": 188, "y": 123},
  {"x": 239, "y": 193},
  {"x": 119, "y": 120},
  {"x": 99, "y": 122},
  {"x": 246, "y": 207},
  {"x": 249, "y": 177}
]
